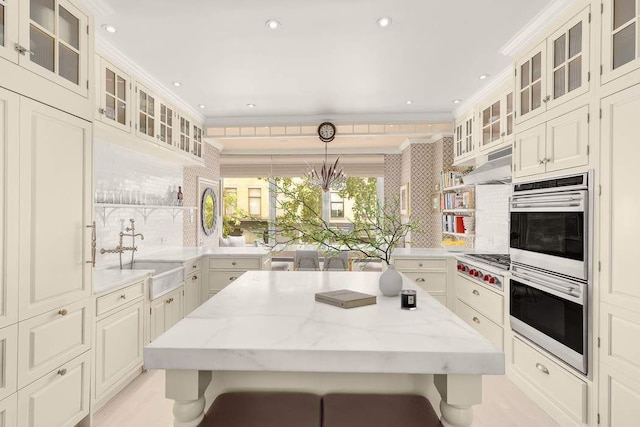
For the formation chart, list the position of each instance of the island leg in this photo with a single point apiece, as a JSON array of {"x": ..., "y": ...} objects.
[
  {"x": 458, "y": 394},
  {"x": 187, "y": 388}
]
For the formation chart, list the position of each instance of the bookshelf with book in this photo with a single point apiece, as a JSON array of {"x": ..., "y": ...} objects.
[{"x": 457, "y": 205}]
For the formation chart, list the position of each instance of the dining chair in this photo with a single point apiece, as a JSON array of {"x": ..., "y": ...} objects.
[
  {"x": 339, "y": 262},
  {"x": 307, "y": 261}
]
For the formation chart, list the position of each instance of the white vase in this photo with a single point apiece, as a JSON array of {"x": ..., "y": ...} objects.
[{"x": 390, "y": 282}]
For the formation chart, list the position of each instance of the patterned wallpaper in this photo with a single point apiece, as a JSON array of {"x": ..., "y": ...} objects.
[
  {"x": 210, "y": 170},
  {"x": 392, "y": 177}
]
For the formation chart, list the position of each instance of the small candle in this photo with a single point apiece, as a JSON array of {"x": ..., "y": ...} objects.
[{"x": 408, "y": 299}]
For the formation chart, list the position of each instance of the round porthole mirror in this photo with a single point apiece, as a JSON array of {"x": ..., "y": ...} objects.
[{"x": 208, "y": 211}]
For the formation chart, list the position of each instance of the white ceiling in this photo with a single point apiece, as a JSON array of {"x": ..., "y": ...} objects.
[{"x": 328, "y": 60}]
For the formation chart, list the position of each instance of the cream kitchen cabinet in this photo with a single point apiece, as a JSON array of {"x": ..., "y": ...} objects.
[
  {"x": 619, "y": 329},
  {"x": 190, "y": 137},
  {"x": 114, "y": 95},
  {"x": 561, "y": 143},
  {"x": 8, "y": 361},
  {"x": 225, "y": 269},
  {"x": 167, "y": 124},
  {"x": 147, "y": 109},
  {"x": 59, "y": 398},
  {"x": 9, "y": 25},
  {"x": 496, "y": 121},
  {"x": 55, "y": 244},
  {"x": 9, "y": 411},
  {"x": 192, "y": 291},
  {"x": 118, "y": 344},
  {"x": 433, "y": 274},
  {"x": 620, "y": 40},
  {"x": 556, "y": 71},
  {"x": 165, "y": 312},
  {"x": 9, "y": 201},
  {"x": 464, "y": 139}
]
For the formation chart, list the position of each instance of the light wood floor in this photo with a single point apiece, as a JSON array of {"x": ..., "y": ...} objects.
[{"x": 142, "y": 404}]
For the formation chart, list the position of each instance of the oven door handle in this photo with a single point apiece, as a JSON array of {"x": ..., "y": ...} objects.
[
  {"x": 572, "y": 291},
  {"x": 524, "y": 205}
]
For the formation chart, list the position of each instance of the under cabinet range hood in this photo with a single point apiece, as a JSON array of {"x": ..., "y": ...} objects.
[{"x": 497, "y": 170}]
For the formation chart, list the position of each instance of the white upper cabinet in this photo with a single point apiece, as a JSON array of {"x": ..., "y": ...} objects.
[
  {"x": 53, "y": 42},
  {"x": 556, "y": 71},
  {"x": 620, "y": 39},
  {"x": 146, "y": 113},
  {"x": 166, "y": 123},
  {"x": 185, "y": 134},
  {"x": 8, "y": 30},
  {"x": 114, "y": 98},
  {"x": 196, "y": 149},
  {"x": 496, "y": 121},
  {"x": 464, "y": 139}
]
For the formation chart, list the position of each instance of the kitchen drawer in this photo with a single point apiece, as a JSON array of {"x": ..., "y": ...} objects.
[
  {"x": 560, "y": 386},
  {"x": 420, "y": 264},
  {"x": 480, "y": 298},
  {"x": 480, "y": 323},
  {"x": 234, "y": 263},
  {"x": 60, "y": 398},
  {"x": 8, "y": 361},
  {"x": 9, "y": 411},
  {"x": 219, "y": 279},
  {"x": 51, "y": 339},
  {"x": 106, "y": 303},
  {"x": 192, "y": 266},
  {"x": 429, "y": 281}
]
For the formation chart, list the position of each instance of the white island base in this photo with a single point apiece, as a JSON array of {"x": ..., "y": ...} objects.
[{"x": 265, "y": 332}]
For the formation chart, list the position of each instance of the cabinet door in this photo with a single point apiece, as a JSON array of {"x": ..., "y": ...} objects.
[
  {"x": 8, "y": 30},
  {"x": 193, "y": 292},
  {"x": 185, "y": 134},
  {"x": 56, "y": 35},
  {"x": 156, "y": 324},
  {"x": 529, "y": 151},
  {"x": 568, "y": 62},
  {"x": 531, "y": 83},
  {"x": 115, "y": 96},
  {"x": 60, "y": 398},
  {"x": 458, "y": 136},
  {"x": 196, "y": 150},
  {"x": 55, "y": 208},
  {"x": 567, "y": 142},
  {"x": 118, "y": 350},
  {"x": 146, "y": 113},
  {"x": 508, "y": 120},
  {"x": 9, "y": 201},
  {"x": 173, "y": 309},
  {"x": 620, "y": 38},
  {"x": 166, "y": 125},
  {"x": 8, "y": 361},
  {"x": 469, "y": 137},
  {"x": 9, "y": 411},
  {"x": 491, "y": 124}
]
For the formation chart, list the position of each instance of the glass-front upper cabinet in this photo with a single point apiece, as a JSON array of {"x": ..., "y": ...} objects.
[
  {"x": 620, "y": 38},
  {"x": 464, "y": 143},
  {"x": 146, "y": 114},
  {"x": 530, "y": 83},
  {"x": 185, "y": 134},
  {"x": 115, "y": 96},
  {"x": 8, "y": 30},
  {"x": 496, "y": 121},
  {"x": 167, "y": 119},
  {"x": 53, "y": 42},
  {"x": 197, "y": 141}
]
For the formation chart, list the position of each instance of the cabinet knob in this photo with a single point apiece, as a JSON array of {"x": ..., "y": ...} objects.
[
  {"x": 123, "y": 296},
  {"x": 542, "y": 368},
  {"x": 63, "y": 312},
  {"x": 475, "y": 292},
  {"x": 419, "y": 280},
  {"x": 233, "y": 263},
  {"x": 232, "y": 278},
  {"x": 194, "y": 278},
  {"x": 476, "y": 320},
  {"x": 541, "y": 162},
  {"x": 62, "y": 372},
  {"x": 420, "y": 265}
]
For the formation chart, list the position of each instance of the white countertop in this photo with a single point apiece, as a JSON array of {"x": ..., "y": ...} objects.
[
  {"x": 107, "y": 280},
  {"x": 269, "y": 321},
  {"x": 423, "y": 252},
  {"x": 183, "y": 254}
]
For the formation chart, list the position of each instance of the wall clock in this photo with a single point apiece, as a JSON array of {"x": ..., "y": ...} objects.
[{"x": 326, "y": 132}]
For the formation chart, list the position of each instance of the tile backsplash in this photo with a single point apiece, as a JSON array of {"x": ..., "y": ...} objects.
[
  {"x": 126, "y": 176},
  {"x": 492, "y": 218}
]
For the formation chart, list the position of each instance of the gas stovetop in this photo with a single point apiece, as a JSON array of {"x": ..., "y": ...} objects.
[{"x": 500, "y": 261}]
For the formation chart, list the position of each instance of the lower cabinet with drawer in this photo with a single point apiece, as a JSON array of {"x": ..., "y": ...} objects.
[
  {"x": 192, "y": 286},
  {"x": 9, "y": 411},
  {"x": 119, "y": 340},
  {"x": 223, "y": 270},
  {"x": 165, "y": 312},
  {"x": 8, "y": 361},
  {"x": 557, "y": 383},
  {"x": 432, "y": 274},
  {"x": 59, "y": 398}
]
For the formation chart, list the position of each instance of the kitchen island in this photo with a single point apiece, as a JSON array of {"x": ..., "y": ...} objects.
[{"x": 265, "y": 331}]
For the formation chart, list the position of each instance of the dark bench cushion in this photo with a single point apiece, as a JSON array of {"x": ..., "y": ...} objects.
[
  {"x": 264, "y": 409},
  {"x": 377, "y": 410}
]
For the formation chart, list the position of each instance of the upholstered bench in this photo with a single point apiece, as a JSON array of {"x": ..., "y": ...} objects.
[
  {"x": 377, "y": 410},
  {"x": 264, "y": 409}
]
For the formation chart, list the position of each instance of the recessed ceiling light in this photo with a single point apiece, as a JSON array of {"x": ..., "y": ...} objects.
[
  {"x": 109, "y": 28},
  {"x": 457, "y": 101},
  {"x": 251, "y": 105},
  {"x": 409, "y": 102},
  {"x": 484, "y": 76},
  {"x": 272, "y": 24},
  {"x": 202, "y": 106},
  {"x": 384, "y": 22},
  {"x": 176, "y": 84}
]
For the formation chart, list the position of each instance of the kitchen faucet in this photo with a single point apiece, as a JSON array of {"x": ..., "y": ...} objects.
[{"x": 121, "y": 249}]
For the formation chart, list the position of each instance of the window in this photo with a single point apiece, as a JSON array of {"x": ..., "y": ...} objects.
[
  {"x": 255, "y": 201},
  {"x": 230, "y": 200},
  {"x": 337, "y": 206}
]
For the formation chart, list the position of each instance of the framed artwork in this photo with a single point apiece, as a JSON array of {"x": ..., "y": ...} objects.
[{"x": 404, "y": 199}]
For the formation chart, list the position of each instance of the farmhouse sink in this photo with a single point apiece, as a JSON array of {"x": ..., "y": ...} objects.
[{"x": 166, "y": 277}]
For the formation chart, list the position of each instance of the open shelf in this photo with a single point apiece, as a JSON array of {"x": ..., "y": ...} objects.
[
  {"x": 458, "y": 210},
  {"x": 448, "y": 233},
  {"x": 457, "y": 187},
  {"x": 105, "y": 210}
]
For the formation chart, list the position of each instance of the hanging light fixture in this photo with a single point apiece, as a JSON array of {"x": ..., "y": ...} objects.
[{"x": 330, "y": 175}]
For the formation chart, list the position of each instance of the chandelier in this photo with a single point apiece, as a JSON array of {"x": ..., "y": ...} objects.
[{"x": 330, "y": 175}]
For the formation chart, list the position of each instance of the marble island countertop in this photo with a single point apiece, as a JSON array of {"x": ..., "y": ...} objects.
[{"x": 269, "y": 321}]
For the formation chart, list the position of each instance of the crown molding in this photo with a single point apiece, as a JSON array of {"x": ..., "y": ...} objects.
[
  {"x": 337, "y": 119},
  {"x": 500, "y": 79},
  {"x": 113, "y": 54},
  {"x": 530, "y": 31},
  {"x": 314, "y": 151}
]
